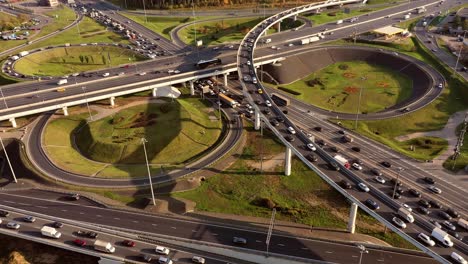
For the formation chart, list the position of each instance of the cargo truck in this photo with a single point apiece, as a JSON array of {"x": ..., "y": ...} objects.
[
  {"x": 339, "y": 22},
  {"x": 341, "y": 160},
  {"x": 463, "y": 223},
  {"x": 50, "y": 232},
  {"x": 442, "y": 237},
  {"x": 103, "y": 246},
  {"x": 314, "y": 39},
  {"x": 62, "y": 81},
  {"x": 406, "y": 215},
  {"x": 305, "y": 41},
  {"x": 268, "y": 40},
  {"x": 406, "y": 17},
  {"x": 23, "y": 53}
]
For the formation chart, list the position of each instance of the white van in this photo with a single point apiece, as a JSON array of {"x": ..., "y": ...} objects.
[
  {"x": 105, "y": 74},
  {"x": 458, "y": 258}
]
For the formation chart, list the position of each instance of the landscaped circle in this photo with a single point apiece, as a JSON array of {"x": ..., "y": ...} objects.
[
  {"x": 61, "y": 61},
  {"x": 175, "y": 132},
  {"x": 347, "y": 85}
]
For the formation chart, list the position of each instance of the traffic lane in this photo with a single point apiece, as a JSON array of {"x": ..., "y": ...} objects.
[
  {"x": 190, "y": 230},
  {"x": 56, "y": 196},
  {"x": 366, "y": 147},
  {"x": 69, "y": 234}
]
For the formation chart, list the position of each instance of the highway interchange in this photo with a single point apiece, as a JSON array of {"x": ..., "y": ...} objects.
[{"x": 19, "y": 96}]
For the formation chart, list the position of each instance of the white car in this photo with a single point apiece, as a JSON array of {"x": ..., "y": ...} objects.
[
  {"x": 407, "y": 207},
  {"x": 162, "y": 250},
  {"x": 197, "y": 259},
  {"x": 105, "y": 74},
  {"x": 176, "y": 71},
  {"x": 142, "y": 73},
  {"x": 426, "y": 239},
  {"x": 380, "y": 180},
  {"x": 311, "y": 147},
  {"x": 273, "y": 47},
  {"x": 399, "y": 222},
  {"x": 291, "y": 130},
  {"x": 440, "y": 85},
  {"x": 458, "y": 258},
  {"x": 357, "y": 166},
  {"x": 363, "y": 187},
  {"x": 435, "y": 189},
  {"x": 249, "y": 63},
  {"x": 268, "y": 103},
  {"x": 13, "y": 225}
]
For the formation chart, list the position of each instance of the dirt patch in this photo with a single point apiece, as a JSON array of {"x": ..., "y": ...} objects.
[
  {"x": 351, "y": 89},
  {"x": 383, "y": 85},
  {"x": 349, "y": 75}
]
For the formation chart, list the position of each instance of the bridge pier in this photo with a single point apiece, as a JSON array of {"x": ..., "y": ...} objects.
[
  {"x": 154, "y": 92},
  {"x": 257, "y": 119},
  {"x": 112, "y": 101},
  {"x": 287, "y": 161},
  {"x": 279, "y": 26},
  {"x": 65, "y": 111},
  {"x": 295, "y": 17},
  {"x": 225, "y": 75},
  {"x": 13, "y": 122},
  {"x": 352, "y": 218},
  {"x": 192, "y": 88}
]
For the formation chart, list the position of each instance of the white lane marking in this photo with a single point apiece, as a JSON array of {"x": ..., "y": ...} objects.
[
  {"x": 173, "y": 227},
  {"x": 116, "y": 218},
  {"x": 194, "y": 231},
  {"x": 354, "y": 256},
  {"x": 329, "y": 252},
  {"x": 214, "y": 234},
  {"x": 63, "y": 210},
  {"x": 154, "y": 224},
  {"x": 23, "y": 203},
  {"x": 81, "y": 213},
  {"x": 8, "y": 202},
  {"x": 258, "y": 241},
  {"x": 304, "y": 248},
  {"x": 135, "y": 221},
  {"x": 281, "y": 245},
  {"x": 381, "y": 260},
  {"x": 99, "y": 215},
  {"x": 41, "y": 206}
]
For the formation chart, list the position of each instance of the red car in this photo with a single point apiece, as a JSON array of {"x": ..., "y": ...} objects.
[
  {"x": 79, "y": 242},
  {"x": 128, "y": 243}
]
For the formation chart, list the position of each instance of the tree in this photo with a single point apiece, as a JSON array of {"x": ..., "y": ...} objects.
[
  {"x": 104, "y": 60},
  {"x": 87, "y": 59},
  {"x": 81, "y": 59}
]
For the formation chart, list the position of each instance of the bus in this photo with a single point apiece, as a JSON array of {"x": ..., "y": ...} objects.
[
  {"x": 202, "y": 64},
  {"x": 233, "y": 103}
]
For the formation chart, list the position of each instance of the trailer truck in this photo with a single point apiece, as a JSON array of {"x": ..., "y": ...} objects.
[
  {"x": 463, "y": 223},
  {"x": 23, "y": 53},
  {"x": 442, "y": 237},
  {"x": 50, "y": 232},
  {"x": 406, "y": 215},
  {"x": 103, "y": 246},
  {"x": 305, "y": 41},
  {"x": 233, "y": 103},
  {"x": 314, "y": 39},
  {"x": 341, "y": 160}
]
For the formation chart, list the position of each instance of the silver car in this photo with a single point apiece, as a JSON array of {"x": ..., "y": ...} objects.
[{"x": 13, "y": 225}]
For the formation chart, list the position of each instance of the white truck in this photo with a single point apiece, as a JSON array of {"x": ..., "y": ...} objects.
[
  {"x": 341, "y": 160},
  {"x": 463, "y": 223},
  {"x": 268, "y": 40},
  {"x": 339, "y": 22},
  {"x": 23, "y": 53},
  {"x": 50, "y": 232},
  {"x": 314, "y": 39},
  {"x": 406, "y": 17},
  {"x": 15, "y": 57},
  {"x": 62, "y": 81},
  {"x": 305, "y": 41},
  {"x": 406, "y": 215},
  {"x": 103, "y": 246},
  {"x": 442, "y": 237}
]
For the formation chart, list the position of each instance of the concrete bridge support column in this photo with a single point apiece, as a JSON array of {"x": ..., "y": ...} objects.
[
  {"x": 257, "y": 120},
  {"x": 154, "y": 92},
  {"x": 112, "y": 101},
  {"x": 192, "y": 88},
  {"x": 295, "y": 17},
  {"x": 13, "y": 122},
  {"x": 65, "y": 111},
  {"x": 225, "y": 75},
  {"x": 279, "y": 26},
  {"x": 287, "y": 161},
  {"x": 352, "y": 218}
]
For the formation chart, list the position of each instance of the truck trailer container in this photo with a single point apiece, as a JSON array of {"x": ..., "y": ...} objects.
[
  {"x": 50, "y": 232},
  {"x": 305, "y": 41},
  {"x": 406, "y": 215},
  {"x": 314, "y": 39},
  {"x": 442, "y": 237},
  {"x": 23, "y": 53},
  {"x": 341, "y": 160},
  {"x": 233, "y": 103},
  {"x": 103, "y": 246}
]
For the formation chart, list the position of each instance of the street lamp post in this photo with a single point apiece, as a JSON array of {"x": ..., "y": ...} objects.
[
  {"x": 400, "y": 169},
  {"x": 144, "y": 10},
  {"x": 219, "y": 101},
  {"x": 459, "y": 53},
  {"x": 362, "y": 250},
  {"x": 143, "y": 141},
  {"x": 358, "y": 106},
  {"x": 8, "y": 160},
  {"x": 87, "y": 104},
  {"x": 4, "y": 100}
]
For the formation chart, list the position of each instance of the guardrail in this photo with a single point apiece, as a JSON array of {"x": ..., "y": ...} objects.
[{"x": 265, "y": 25}]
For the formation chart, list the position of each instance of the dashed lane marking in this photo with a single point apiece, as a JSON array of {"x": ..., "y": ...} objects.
[
  {"x": 116, "y": 218},
  {"x": 173, "y": 227},
  {"x": 281, "y": 245},
  {"x": 99, "y": 215},
  {"x": 44, "y": 207}
]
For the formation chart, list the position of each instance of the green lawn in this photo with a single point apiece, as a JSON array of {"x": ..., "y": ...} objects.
[
  {"x": 432, "y": 117},
  {"x": 67, "y": 60},
  {"x": 302, "y": 197},
  {"x": 59, "y": 18},
  {"x": 337, "y": 87},
  {"x": 332, "y": 16},
  {"x": 176, "y": 132},
  {"x": 160, "y": 25}
]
